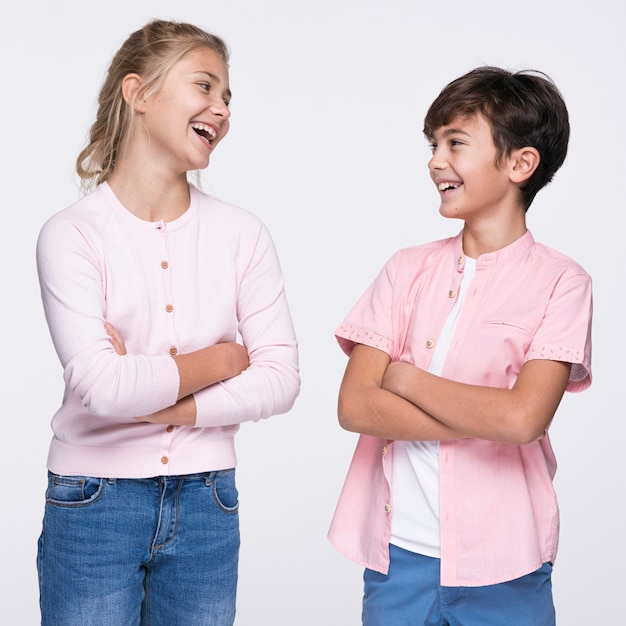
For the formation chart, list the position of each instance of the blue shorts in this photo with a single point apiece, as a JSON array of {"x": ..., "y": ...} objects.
[{"x": 411, "y": 595}]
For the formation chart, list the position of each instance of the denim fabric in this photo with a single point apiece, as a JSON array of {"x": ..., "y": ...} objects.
[
  {"x": 159, "y": 551},
  {"x": 410, "y": 595}
]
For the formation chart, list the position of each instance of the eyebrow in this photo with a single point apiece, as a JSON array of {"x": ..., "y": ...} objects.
[
  {"x": 455, "y": 131},
  {"x": 446, "y": 133}
]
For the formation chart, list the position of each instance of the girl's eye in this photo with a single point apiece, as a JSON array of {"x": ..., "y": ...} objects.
[
  {"x": 456, "y": 142},
  {"x": 205, "y": 86},
  {"x": 432, "y": 147}
]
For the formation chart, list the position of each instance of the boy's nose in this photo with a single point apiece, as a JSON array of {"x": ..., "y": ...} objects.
[{"x": 437, "y": 162}]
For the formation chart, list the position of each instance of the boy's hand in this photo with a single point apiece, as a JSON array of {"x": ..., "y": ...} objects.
[{"x": 398, "y": 377}]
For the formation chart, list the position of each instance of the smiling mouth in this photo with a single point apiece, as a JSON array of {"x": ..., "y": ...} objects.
[
  {"x": 447, "y": 186},
  {"x": 208, "y": 133}
]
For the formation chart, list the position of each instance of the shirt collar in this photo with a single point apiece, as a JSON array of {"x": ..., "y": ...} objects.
[{"x": 504, "y": 255}]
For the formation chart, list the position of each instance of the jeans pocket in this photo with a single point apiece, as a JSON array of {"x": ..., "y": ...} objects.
[
  {"x": 225, "y": 491},
  {"x": 73, "y": 491}
]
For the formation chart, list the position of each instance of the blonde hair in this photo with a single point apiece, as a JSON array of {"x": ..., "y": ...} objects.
[{"x": 149, "y": 52}]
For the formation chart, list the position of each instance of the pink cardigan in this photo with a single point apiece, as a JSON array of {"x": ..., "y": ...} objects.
[
  {"x": 498, "y": 515},
  {"x": 167, "y": 288}
]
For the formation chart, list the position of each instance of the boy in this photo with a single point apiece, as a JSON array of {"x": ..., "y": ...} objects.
[{"x": 460, "y": 352}]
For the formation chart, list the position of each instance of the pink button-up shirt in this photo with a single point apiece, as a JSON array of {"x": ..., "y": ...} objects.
[{"x": 498, "y": 511}]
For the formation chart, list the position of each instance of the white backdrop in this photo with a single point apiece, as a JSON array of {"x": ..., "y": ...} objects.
[{"x": 326, "y": 147}]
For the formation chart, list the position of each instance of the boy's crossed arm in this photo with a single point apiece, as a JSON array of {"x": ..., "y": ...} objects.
[
  {"x": 366, "y": 407},
  {"x": 400, "y": 401}
]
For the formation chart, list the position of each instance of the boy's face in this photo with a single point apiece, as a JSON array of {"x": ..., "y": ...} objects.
[{"x": 471, "y": 185}]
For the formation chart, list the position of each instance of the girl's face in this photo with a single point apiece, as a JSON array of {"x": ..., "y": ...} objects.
[{"x": 188, "y": 116}]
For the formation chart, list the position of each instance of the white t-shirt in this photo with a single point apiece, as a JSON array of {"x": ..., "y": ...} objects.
[{"x": 415, "y": 474}]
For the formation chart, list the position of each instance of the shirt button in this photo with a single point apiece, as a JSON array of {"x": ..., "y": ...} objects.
[
  {"x": 430, "y": 344},
  {"x": 173, "y": 350},
  {"x": 451, "y": 293},
  {"x": 164, "y": 265},
  {"x": 169, "y": 308},
  {"x": 387, "y": 508},
  {"x": 165, "y": 460},
  {"x": 170, "y": 429}
]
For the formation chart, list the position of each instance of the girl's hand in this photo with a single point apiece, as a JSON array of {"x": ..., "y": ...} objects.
[
  {"x": 116, "y": 338},
  {"x": 240, "y": 357},
  {"x": 183, "y": 413}
]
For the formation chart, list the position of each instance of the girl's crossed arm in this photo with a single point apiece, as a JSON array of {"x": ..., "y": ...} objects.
[{"x": 196, "y": 370}]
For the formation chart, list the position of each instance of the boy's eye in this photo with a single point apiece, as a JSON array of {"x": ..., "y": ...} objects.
[{"x": 432, "y": 147}]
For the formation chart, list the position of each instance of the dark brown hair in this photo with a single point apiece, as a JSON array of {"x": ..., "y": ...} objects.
[{"x": 523, "y": 109}]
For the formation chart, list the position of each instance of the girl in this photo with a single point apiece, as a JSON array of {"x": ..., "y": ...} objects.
[{"x": 146, "y": 283}]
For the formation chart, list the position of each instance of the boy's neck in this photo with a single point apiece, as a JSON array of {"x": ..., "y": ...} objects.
[{"x": 492, "y": 236}]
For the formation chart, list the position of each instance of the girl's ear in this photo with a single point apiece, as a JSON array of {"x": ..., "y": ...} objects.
[
  {"x": 524, "y": 162},
  {"x": 131, "y": 92}
]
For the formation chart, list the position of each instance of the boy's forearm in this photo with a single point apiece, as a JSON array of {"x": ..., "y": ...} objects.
[
  {"x": 365, "y": 407},
  {"x": 518, "y": 415},
  {"x": 380, "y": 413}
]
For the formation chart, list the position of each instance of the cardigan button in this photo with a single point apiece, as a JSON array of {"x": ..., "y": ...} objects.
[
  {"x": 430, "y": 344},
  {"x": 387, "y": 508},
  {"x": 451, "y": 293}
]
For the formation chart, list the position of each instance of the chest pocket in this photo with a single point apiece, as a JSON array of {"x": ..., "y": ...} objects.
[{"x": 504, "y": 328}]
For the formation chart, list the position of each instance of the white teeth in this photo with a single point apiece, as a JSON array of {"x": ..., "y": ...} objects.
[
  {"x": 444, "y": 186},
  {"x": 203, "y": 128}
]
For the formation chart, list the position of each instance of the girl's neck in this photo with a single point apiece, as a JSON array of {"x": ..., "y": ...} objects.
[{"x": 151, "y": 198}]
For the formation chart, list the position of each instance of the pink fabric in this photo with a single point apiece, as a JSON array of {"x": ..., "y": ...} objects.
[
  {"x": 499, "y": 514},
  {"x": 187, "y": 284}
]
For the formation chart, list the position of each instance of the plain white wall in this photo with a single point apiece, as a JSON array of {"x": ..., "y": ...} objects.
[{"x": 326, "y": 147}]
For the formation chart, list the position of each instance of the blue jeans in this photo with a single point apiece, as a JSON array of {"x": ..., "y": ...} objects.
[
  {"x": 158, "y": 551},
  {"x": 412, "y": 596}
]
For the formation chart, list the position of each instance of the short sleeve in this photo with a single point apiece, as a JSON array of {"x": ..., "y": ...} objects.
[
  {"x": 565, "y": 332},
  {"x": 370, "y": 321}
]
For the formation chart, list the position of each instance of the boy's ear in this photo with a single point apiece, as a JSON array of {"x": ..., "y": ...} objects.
[
  {"x": 131, "y": 92},
  {"x": 524, "y": 162}
]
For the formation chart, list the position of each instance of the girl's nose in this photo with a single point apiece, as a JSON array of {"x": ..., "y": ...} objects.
[{"x": 221, "y": 109}]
